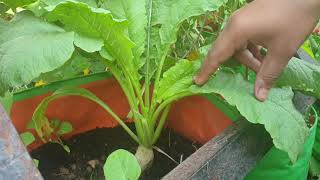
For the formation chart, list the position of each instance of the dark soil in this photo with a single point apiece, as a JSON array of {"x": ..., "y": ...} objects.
[{"x": 90, "y": 150}]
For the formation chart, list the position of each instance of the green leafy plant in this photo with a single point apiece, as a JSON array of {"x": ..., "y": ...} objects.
[
  {"x": 121, "y": 165},
  {"x": 50, "y": 130},
  {"x": 27, "y": 139},
  {"x": 135, "y": 39}
]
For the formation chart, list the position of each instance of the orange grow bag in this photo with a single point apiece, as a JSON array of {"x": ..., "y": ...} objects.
[{"x": 196, "y": 117}]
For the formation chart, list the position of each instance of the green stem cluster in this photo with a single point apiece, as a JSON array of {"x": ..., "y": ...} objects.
[{"x": 145, "y": 112}]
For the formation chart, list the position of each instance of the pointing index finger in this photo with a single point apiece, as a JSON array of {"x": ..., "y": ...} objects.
[{"x": 221, "y": 51}]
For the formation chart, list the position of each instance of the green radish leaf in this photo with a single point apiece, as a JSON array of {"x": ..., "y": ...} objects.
[
  {"x": 278, "y": 114},
  {"x": 42, "y": 125},
  {"x": 176, "y": 80},
  {"x": 285, "y": 124},
  {"x": 306, "y": 46},
  {"x": 40, "y": 122},
  {"x": 121, "y": 165},
  {"x": 315, "y": 46},
  {"x": 168, "y": 15},
  {"x": 55, "y": 123},
  {"x": 31, "y": 125},
  {"x": 155, "y": 51},
  {"x": 98, "y": 23},
  {"x": 37, "y": 8},
  {"x": 91, "y": 3},
  {"x": 72, "y": 68},
  {"x": 135, "y": 12},
  {"x": 3, "y": 8},
  {"x": 302, "y": 76},
  {"x": 89, "y": 44},
  {"x": 104, "y": 53},
  {"x": 30, "y": 46},
  {"x": 7, "y": 101},
  {"x": 170, "y": 62},
  {"x": 62, "y": 127},
  {"x": 18, "y": 3},
  {"x": 27, "y": 138},
  {"x": 65, "y": 128}
]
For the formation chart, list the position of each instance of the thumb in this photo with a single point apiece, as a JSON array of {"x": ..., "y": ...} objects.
[{"x": 270, "y": 70}]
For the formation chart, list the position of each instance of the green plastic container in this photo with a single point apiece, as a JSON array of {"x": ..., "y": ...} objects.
[{"x": 276, "y": 164}]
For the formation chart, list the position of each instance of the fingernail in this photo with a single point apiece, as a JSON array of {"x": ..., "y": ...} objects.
[
  {"x": 260, "y": 91},
  {"x": 196, "y": 80},
  {"x": 262, "y": 94}
]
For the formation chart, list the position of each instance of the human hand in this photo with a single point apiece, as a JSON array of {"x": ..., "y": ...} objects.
[{"x": 280, "y": 26}]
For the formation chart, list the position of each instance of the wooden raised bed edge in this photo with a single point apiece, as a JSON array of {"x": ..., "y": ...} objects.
[{"x": 15, "y": 161}]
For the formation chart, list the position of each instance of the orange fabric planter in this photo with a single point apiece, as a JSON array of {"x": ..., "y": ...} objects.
[{"x": 193, "y": 117}]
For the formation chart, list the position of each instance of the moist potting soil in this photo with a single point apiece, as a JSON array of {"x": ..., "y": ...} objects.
[{"x": 90, "y": 150}]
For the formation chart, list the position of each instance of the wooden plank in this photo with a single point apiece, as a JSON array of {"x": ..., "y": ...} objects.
[
  {"x": 231, "y": 155},
  {"x": 15, "y": 161}
]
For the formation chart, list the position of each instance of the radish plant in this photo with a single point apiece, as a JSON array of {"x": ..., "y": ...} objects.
[{"x": 135, "y": 40}]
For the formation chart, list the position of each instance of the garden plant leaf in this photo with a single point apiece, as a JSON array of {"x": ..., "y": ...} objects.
[
  {"x": 135, "y": 12},
  {"x": 176, "y": 80},
  {"x": 27, "y": 138},
  {"x": 278, "y": 114},
  {"x": 285, "y": 124},
  {"x": 7, "y": 101},
  {"x": 30, "y": 46},
  {"x": 121, "y": 165},
  {"x": 167, "y": 17},
  {"x": 302, "y": 76},
  {"x": 97, "y": 23},
  {"x": 17, "y": 3},
  {"x": 92, "y": 3}
]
